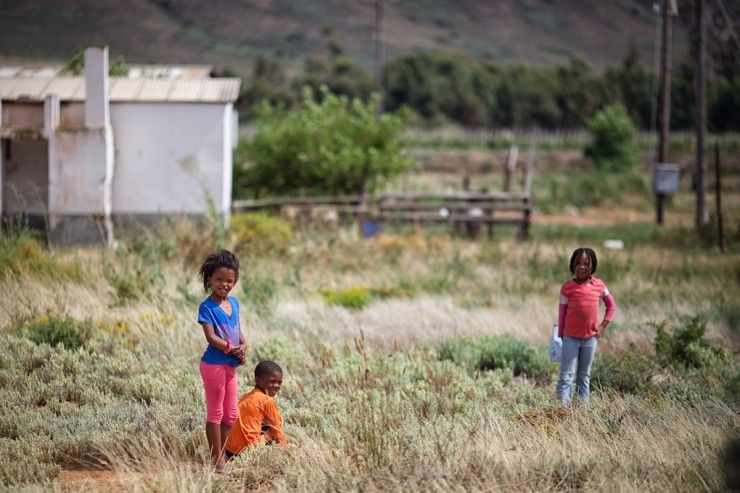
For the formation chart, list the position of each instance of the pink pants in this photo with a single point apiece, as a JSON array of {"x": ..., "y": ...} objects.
[{"x": 219, "y": 382}]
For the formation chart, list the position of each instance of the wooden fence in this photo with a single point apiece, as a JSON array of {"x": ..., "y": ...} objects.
[{"x": 465, "y": 212}]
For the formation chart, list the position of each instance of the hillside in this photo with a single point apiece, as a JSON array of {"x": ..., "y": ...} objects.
[{"x": 229, "y": 33}]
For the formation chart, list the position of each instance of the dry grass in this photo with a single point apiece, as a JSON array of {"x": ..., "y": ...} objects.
[{"x": 369, "y": 403}]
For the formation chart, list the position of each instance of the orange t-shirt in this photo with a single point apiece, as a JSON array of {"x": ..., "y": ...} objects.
[{"x": 259, "y": 421}]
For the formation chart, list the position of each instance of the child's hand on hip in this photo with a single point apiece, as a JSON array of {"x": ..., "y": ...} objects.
[{"x": 600, "y": 330}]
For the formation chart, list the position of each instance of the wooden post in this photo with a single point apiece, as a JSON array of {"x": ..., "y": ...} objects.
[
  {"x": 379, "y": 55},
  {"x": 718, "y": 193},
  {"x": 665, "y": 79},
  {"x": 527, "y": 176},
  {"x": 665, "y": 96},
  {"x": 510, "y": 167},
  {"x": 701, "y": 118}
]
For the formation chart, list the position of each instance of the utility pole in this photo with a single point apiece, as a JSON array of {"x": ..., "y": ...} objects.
[
  {"x": 379, "y": 56},
  {"x": 701, "y": 114},
  {"x": 669, "y": 9}
]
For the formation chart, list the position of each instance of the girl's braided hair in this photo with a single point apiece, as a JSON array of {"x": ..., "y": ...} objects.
[{"x": 577, "y": 254}]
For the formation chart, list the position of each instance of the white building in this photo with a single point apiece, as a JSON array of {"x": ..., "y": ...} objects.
[{"x": 79, "y": 155}]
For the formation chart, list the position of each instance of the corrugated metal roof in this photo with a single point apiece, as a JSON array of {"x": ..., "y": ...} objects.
[
  {"x": 124, "y": 89},
  {"x": 120, "y": 89},
  {"x": 183, "y": 90},
  {"x": 67, "y": 88}
]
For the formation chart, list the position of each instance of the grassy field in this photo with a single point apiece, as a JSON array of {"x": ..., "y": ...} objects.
[{"x": 413, "y": 361}]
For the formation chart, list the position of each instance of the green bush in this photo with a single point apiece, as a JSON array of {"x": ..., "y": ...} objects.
[
  {"x": 355, "y": 298},
  {"x": 358, "y": 297},
  {"x": 687, "y": 346},
  {"x": 498, "y": 352},
  {"x": 54, "y": 331},
  {"x": 614, "y": 144},
  {"x": 338, "y": 146},
  {"x": 60, "y": 405}
]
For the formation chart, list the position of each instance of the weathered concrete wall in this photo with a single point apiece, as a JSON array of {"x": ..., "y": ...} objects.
[
  {"x": 72, "y": 115},
  {"x": 22, "y": 115},
  {"x": 25, "y": 181},
  {"x": 78, "y": 176},
  {"x": 170, "y": 158}
]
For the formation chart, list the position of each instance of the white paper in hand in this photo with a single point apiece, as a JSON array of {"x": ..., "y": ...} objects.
[{"x": 556, "y": 346}]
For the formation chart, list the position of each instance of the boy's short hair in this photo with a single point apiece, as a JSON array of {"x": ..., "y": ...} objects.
[{"x": 264, "y": 368}]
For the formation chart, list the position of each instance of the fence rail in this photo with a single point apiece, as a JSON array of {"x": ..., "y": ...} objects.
[{"x": 463, "y": 211}]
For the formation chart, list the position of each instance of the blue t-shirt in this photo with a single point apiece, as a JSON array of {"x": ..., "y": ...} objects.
[{"x": 225, "y": 327}]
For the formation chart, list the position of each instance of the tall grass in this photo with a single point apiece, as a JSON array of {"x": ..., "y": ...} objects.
[{"x": 438, "y": 380}]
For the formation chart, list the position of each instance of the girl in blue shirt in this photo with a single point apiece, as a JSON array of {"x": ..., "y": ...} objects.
[{"x": 219, "y": 316}]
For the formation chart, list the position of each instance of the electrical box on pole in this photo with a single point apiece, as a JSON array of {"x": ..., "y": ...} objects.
[{"x": 665, "y": 182}]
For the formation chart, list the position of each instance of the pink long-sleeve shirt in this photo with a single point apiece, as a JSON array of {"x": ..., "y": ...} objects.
[{"x": 578, "y": 313}]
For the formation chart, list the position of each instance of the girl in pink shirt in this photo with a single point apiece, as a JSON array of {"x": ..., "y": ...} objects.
[{"x": 578, "y": 323}]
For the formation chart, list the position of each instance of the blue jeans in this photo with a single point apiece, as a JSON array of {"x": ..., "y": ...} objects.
[{"x": 576, "y": 353}]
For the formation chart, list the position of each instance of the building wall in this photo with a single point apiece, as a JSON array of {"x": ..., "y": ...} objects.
[
  {"x": 171, "y": 158},
  {"x": 72, "y": 115},
  {"x": 25, "y": 179},
  {"x": 22, "y": 115}
]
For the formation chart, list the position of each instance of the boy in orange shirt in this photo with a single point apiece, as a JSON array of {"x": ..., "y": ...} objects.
[{"x": 259, "y": 421}]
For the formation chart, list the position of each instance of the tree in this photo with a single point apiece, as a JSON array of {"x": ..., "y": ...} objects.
[
  {"x": 335, "y": 146},
  {"x": 575, "y": 94}
]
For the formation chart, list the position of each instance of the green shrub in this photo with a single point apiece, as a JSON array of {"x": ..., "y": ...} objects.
[
  {"x": 54, "y": 331},
  {"x": 255, "y": 234},
  {"x": 614, "y": 144},
  {"x": 355, "y": 298},
  {"x": 358, "y": 297},
  {"x": 61, "y": 406},
  {"x": 23, "y": 462},
  {"x": 495, "y": 352},
  {"x": 687, "y": 346}
]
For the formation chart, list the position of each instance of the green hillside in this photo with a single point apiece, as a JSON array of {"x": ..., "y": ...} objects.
[{"x": 229, "y": 33}]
